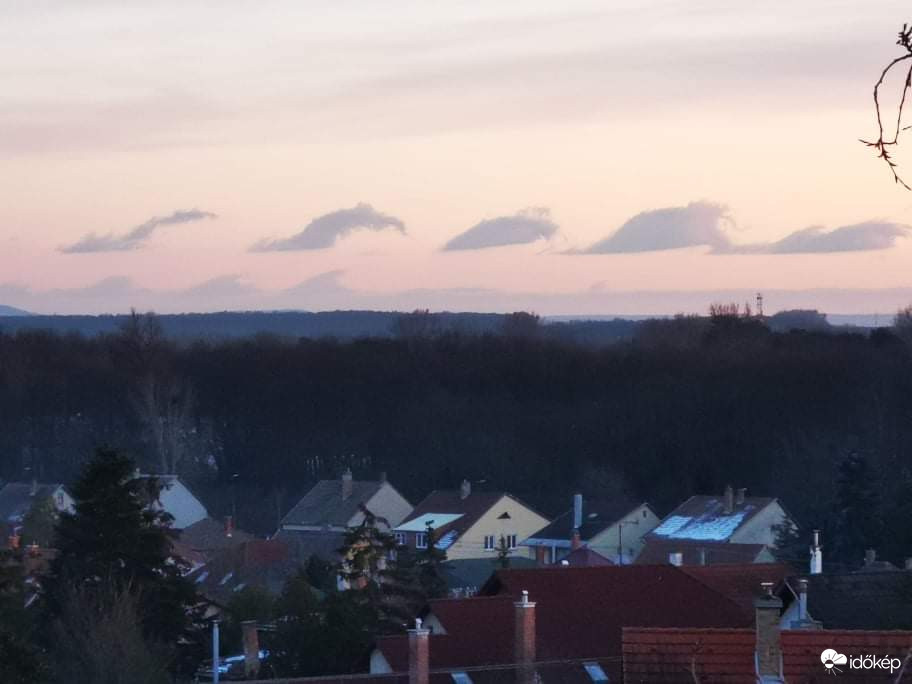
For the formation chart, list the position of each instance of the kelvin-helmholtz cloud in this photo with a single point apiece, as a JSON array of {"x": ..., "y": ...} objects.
[
  {"x": 135, "y": 238},
  {"x": 704, "y": 224},
  {"x": 325, "y": 230},
  {"x": 528, "y": 225}
]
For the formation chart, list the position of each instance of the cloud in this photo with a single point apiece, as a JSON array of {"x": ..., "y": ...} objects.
[
  {"x": 528, "y": 225},
  {"x": 135, "y": 238},
  {"x": 859, "y": 237},
  {"x": 702, "y": 224},
  {"x": 325, "y": 230},
  {"x": 699, "y": 223}
]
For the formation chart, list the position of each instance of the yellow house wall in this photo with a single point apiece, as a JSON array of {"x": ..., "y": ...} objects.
[
  {"x": 522, "y": 522},
  {"x": 606, "y": 542}
]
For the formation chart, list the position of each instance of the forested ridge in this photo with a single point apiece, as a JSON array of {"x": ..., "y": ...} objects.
[{"x": 685, "y": 406}]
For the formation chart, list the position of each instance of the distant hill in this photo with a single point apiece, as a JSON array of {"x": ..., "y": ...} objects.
[{"x": 12, "y": 311}]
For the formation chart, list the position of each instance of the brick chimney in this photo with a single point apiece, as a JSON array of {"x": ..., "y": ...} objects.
[
  {"x": 465, "y": 489},
  {"x": 419, "y": 657},
  {"x": 816, "y": 554},
  {"x": 346, "y": 484},
  {"x": 767, "y": 609},
  {"x": 229, "y": 526},
  {"x": 251, "y": 649},
  {"x": 729, "y": 499},
  {"x": 524, "y": 640}
]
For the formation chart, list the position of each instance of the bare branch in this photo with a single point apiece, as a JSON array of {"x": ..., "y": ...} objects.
[{"x": 881, "y": 144}]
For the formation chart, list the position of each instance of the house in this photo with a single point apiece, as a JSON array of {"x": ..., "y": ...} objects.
[
  {"x": 318, "y": 522},
  {"x": 18, "y": 498},
  {"x": 469, "y": 524},
  {"x": 732, "y": 528},
  {"x": 763, "y": 653},
  {"x": 261, "y": 563},
  {"x": 613, "y": 529},
  {"x": 176, "y": 499},
  {"x": 203, "y": 540},
  {"x": 579, "y": 614}
]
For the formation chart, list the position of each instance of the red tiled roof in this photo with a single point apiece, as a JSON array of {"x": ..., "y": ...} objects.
[
  {"x": 726, "y": 656},
  {"x": 580, "y": 612},
  {"x": 741, "y": 583},
  {"x": 586, "y": 557}
]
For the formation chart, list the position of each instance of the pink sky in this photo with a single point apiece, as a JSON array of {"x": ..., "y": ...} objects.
[{"x": 272, "y": 114}]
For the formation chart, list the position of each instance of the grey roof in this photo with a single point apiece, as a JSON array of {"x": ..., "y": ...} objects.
[
  {"x": 304, "y": 544},
  {"x": 323, "y": 505},
  {"x": 868, "y": 600},
  {"x": 209, "y": 535},
  {"x": 16, "y": 499},
  {"x": 464, "y": 573},
  {"x": 704, "y": 518},
  {"x": 597, "y": 515}
]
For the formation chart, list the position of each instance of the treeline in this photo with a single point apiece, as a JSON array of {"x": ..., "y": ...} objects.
[{"x": 686, "y": 405}]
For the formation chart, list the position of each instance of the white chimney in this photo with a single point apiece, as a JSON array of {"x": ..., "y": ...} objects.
[
  {"x": 577, "y": 511},
  {"x": 465, "y": 489},
  {"x": 816, "y": 554},
  {"x": 729, "y": 499},
  {"x": 742, "y": 494},
  {"x": 870, "y": 556},
  {"x": 676, "y": 558}
]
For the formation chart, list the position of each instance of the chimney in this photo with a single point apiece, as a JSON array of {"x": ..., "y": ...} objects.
[
  {"x": 229, "y": 526},
  {"x": 419, "y": 658},
  {"x": 742, "y": 493},
  {"x": 34, "y": 488},
  {"x": 908, "y": 564},
  {"x": 768, "y": 653},
  {"x": 870, "y": 556},
  {"x": 524, "y": 640},
  {"x": 382, "y": 476},
  {"x": 346, "y": 484},
  {"x": 702, "y": 556},
  {"x": 802, "y": 600},
  {"x": 816, "y": 554},
  {"x": 465, "y": 489},
  {"x": 575, "y": 541},
  {"x": 729, "y": 499},
  {"x": 136, "y": 474},
  {"x": 676, "y": 558},
  {"x": 13, "y": 542},
  {"x": 251, "y": 649},
  {"x": 577, "y": 511}
]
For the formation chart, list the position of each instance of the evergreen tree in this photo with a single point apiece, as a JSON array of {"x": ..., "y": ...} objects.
[
  {"x": 114, "y": 542},
  {"x": 430, "y": 567},
  {"x": 20, "y": 660},
  {"x": 503, "y": 553},
  {"x": 39, "y": 523},
  {"x": 859, "y": 513}
]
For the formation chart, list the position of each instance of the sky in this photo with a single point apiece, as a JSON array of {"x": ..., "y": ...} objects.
[{"x": 637, "y": 156}]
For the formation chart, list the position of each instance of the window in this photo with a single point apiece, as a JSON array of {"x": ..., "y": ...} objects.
[
  {"x": 461, "y": 678},
  {"x": 489, "y": 544},
  {"x": 421, "y": 540},
  {"x": 400, "y": 538},
  {"x": 595, "y": 672},
  {"x": 511, "y": 541}
]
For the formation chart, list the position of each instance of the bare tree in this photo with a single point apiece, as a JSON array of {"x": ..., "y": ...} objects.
[{"x": 884, "y": 141}]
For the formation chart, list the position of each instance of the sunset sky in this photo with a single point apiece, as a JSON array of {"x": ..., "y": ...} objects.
[{"x": 631, "y": 156}]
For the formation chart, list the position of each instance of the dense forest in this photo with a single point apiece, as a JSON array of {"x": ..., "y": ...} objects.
[{"x": 685, "y": 405}]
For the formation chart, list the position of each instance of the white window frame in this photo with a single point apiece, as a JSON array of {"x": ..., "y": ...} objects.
[
  {"x": 511, "y": 541},
  {"x": 490, "y": 542},
  {"x": 421, "y": 540},
  {"x": 401, "y": 538}
]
